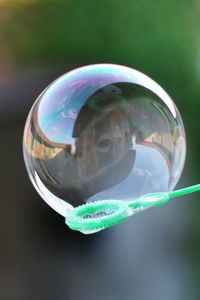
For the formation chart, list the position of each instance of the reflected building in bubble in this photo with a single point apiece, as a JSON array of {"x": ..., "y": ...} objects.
[
  {"x": 108, "y": 142},
  {"x": 103, "y": 140},
  {"x": 103, "y": 146},
  {"x": 98, "y": 136}
]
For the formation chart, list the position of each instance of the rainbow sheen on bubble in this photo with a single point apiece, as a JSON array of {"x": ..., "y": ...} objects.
[{"x": 103, "y": 132}]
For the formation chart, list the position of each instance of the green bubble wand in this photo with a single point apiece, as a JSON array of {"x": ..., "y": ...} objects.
[{"x": 96, "y": 216}]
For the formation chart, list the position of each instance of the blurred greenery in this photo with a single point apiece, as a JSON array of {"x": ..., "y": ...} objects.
[
  {"x": 158, "y": 37},
  {"x": 137, "y": 33}
]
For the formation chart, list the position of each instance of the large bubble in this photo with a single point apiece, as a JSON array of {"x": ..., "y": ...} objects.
[{"x": 103, "y": 132}]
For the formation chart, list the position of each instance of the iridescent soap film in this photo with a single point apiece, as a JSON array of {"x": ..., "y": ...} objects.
[{"x": 103, "y": 132}]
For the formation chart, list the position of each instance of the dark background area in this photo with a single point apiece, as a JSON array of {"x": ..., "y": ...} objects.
[{"x": 154, "y": 255}]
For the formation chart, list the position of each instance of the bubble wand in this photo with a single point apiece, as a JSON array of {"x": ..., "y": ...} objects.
[{"x": 95, "y": 216}]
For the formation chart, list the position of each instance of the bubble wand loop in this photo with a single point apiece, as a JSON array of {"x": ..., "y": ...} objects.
[{"x": 95, "y": 216}]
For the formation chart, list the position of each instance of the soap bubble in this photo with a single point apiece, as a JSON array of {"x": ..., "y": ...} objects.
[{"x": 103, "y": 132}]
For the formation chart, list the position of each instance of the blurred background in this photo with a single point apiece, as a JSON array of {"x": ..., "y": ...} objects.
[{"x": 154, "y": 255}]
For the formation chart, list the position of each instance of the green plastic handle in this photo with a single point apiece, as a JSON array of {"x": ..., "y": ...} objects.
[
  {"x": 158, "y": 199},
  {"x": 184, "y": 191}
]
